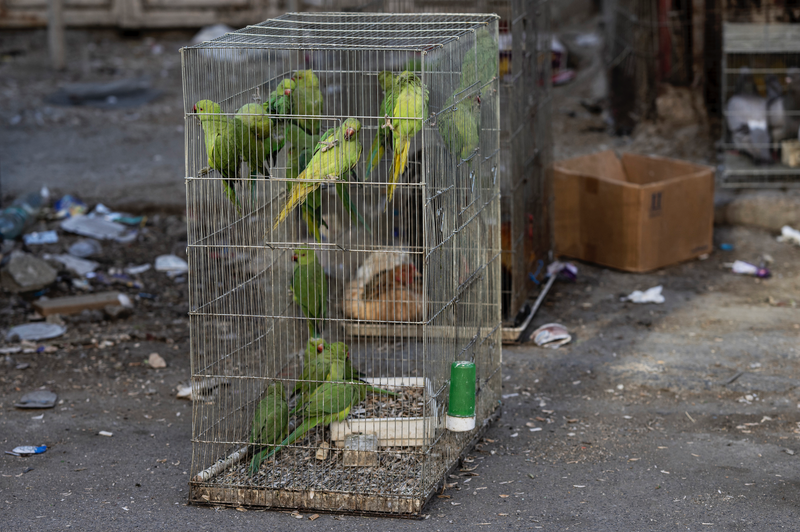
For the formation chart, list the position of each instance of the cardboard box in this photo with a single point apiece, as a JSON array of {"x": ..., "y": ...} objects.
[{"x": 636, "y": 214}]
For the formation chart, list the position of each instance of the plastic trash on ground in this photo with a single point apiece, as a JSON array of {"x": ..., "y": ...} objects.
[
  {"x": 171, "y": 264},
  {"x": 85, "y": 247},
  {"x": 651, "y": 295},
  {"x": 76, "y": 265},
  {"x": 99, "y": 228},
  {"x": 745, "y": 268},
  {"x": 566, "y": 270},
  {"x": 27, "y": 450},
  {"x": 35, "y": 331},
  {"x": 42, "y": 237},
  {"x": 552, "y": 335},
  {"x": 69, "y": 206},
  {"x": 789, "y": 234},
  {"x": 38, "y": 399}
]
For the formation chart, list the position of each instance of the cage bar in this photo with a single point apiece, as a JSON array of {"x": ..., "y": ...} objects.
[{"x": 410, "y": 284}]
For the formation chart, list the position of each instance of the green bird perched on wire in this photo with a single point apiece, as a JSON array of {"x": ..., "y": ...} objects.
[
  {"x": 298, "y": 153},
  {"x": 224, "y": 152},
  {"x": 339, "y": 151},
  {"x": 270, "y": 422},
  {"x": 410, "y": 110},
  {"x": 383, "y": 138},
  {"x": 480, "y": 63},
  {"x": 307, "y": 100},
  {"x": 310, "y": 287},
  {"x": 280, "y": 100},
  {"x": 317, "y": 366},
  {"x": 255, "y": 140},
  {"x": 331, "y": 401},
  {"x": 460, "y": 125}
]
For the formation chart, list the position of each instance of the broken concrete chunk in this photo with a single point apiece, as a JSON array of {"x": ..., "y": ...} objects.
[{"x": 26, "y": 273}]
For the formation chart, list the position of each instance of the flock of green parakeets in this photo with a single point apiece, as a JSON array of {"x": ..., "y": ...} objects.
[
  {"x": 327, "y": 390},
  {"x": 291, "y": 118}
]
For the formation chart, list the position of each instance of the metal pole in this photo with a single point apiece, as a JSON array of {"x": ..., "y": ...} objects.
[{"x": 55, "y": 33}]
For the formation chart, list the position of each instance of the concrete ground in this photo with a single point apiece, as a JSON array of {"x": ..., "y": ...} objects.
[{"x": 681, "y": 416}]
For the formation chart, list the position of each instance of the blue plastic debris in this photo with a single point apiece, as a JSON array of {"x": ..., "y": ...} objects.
[{"x": 27, "y": 450}]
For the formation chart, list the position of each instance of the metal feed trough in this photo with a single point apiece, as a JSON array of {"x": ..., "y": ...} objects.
[{"x": 397, "y": 289}]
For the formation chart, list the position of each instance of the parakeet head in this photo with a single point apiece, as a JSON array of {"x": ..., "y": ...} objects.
[
  {"x": 303, "y": 256},
  {"x": 351, "y": 127},
  {"x": 286, "y": 86},
  {"x": 277, "y": 389},
  {"x": 315, "y": 345},
  {"x": 406, "y": 77},
  {"x": 306, "y": 77},
  {"x": 386, "y": 80},
  {"x": 206, "y": 107}
]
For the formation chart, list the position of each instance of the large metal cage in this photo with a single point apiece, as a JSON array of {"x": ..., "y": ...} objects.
[
  {"x": 525, "y": 139},
  {"x": 761, "y": 117},
  {"x": 409, "y": 285}
]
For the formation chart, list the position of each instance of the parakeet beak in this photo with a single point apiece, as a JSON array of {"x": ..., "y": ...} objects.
[
  {"x": 194, "y": 108},
  {"x": 287, "y": 92},
  {"x": 320, "y": 348},
  {"x": 294, "y": 258},
  {"x": 348, "y": 133}
]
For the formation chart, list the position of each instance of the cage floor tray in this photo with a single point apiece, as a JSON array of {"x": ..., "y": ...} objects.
[{"x": 397, "y": 426}]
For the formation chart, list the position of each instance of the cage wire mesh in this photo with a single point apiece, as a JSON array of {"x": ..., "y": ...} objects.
[
  {"x": 525, "y": 139},
  {"x": 293, "y": 313}
]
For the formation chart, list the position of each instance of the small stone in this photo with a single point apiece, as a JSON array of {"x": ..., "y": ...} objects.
[
  {"x": 26, "y": 273},
  {"x": 323, "y": 451},
  {"x": 156, "y": 362},
  {"x": 117, "y": 312}
]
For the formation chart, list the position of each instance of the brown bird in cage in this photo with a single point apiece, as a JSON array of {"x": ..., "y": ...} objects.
[{"x": 387, "y": 287}]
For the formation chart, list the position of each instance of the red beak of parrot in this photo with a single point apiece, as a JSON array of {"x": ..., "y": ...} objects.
[
  {"x": 348, "y": 133},
  {"x": 294, "y": 258},
  {"x": 287, "y": 92},
  {"x": 194, "y": 108},
  {"x": 320, "y": 349}
]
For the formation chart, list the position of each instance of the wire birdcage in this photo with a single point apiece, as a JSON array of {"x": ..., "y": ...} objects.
[
  {"x": 525, "y": 138},
  {"x": 354, "y": 306}
]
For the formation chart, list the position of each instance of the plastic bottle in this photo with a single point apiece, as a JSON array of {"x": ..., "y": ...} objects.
[{"x": 19, "y": 214}]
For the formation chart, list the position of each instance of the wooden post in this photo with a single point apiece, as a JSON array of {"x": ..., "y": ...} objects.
[{"x": 55, "y": 33}]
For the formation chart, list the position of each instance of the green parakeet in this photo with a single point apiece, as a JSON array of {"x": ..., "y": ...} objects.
[
  {"x": 255, "y": 118},
  {"x": 307, "y": 100},
  {"x": 336, "y": 156},
  {"x": 481, "y": 62},
  {"x": 310, "y": 287},
  {"x": 460, "y": 126},
  {"x": 224, "y": 155},
  {"x": 254, "y": 134},
  {"x": 330, "y": 402},
  {"x": 280, "y": 100},
  {"x": 383, "y": 137},
  {"x": 409, "y": 113},
  {"x": 270, "y": 422},
  {"x": 317, "y": 366}
]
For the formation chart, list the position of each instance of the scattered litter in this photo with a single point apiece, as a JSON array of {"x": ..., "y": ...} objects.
[
  {"x": 85, "y": 247},
  {"x": 105, "y": 433},
  {"x": 704, "y": 256},
  {"x": 136, "y": 270},
  {"x": 39, "y": 417},
  {"x": 726, "y": 247},
  {"x": 15, "y": 217},
  {"x": 651, "y": 295},
  {"x": 156, "y": 361},
  {"x": 789, "y": 452},
  {"x": 536, "y": 429},
  {"x": 27, "y": 450},
  {"x": 69, "y": 206},
  {"x": 171, "y": 264},
  {"x": 565, "y": 270},
  {"x": 35, "y": 331},
  {"x": 552, "y": 335},
  {"x": 99, "y": 228},
  {"x": 204, "y": 388},
  {"x": 38, "y": 399},
  {"x": 76, "y": 265},
  {"x": 76, "y": 304},
  {"x": 789, "y": 234},
  {"x": 41, "y": 237},
  {"x": 745, "y": 268},
  {"x": 22, "y": 365},
  {"x": 104, "y": 212},
  {"x": 26, "y": 273},
  {"x": 510, "y": 395}
]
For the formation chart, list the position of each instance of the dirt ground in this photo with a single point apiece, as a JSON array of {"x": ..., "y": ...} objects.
[{"x": 680, "y": 416}]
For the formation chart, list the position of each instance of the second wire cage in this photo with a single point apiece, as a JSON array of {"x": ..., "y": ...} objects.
[{"x": 344, "y": 250}]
